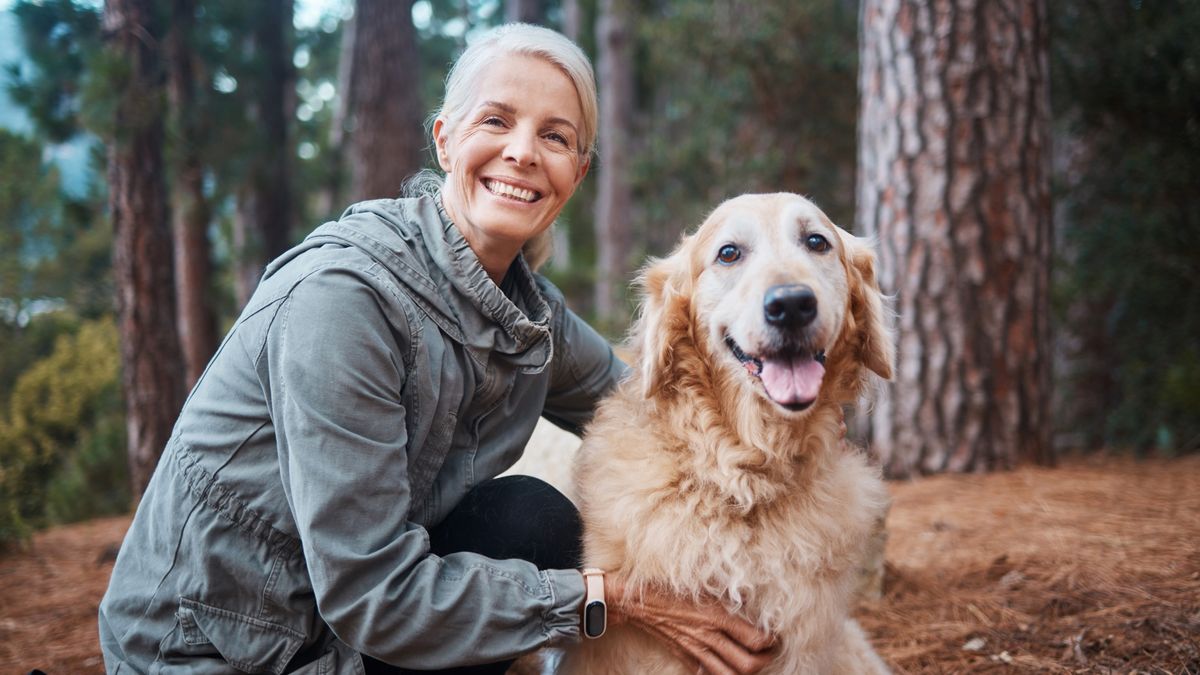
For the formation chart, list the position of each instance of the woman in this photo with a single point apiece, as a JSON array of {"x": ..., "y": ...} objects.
[{"x": 326, "y": 499}]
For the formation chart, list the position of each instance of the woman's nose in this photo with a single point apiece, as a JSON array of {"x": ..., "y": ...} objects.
[{"x": 521, "y": 149}]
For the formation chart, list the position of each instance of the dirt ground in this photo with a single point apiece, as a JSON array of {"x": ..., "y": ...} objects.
[{"x": 1093, "y": 567}]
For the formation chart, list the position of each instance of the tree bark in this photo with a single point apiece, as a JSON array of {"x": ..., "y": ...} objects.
[
  {"x": 524, "y": 11},
  {"x": 954, "y": 179},
  {"x": 387, "y": 135},
  {"x": 265, "y": 204},
  {"x": 614, "y": 204},
  {"x": 246, "y": 242},
  {"x": 142, "y": 266},
  {"x": 276, "y": 108},
  {"x": 196, "y": 316},
  {"x": 572, "y": 19}
]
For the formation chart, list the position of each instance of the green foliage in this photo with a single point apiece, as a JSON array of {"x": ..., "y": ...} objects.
[
  {"x": 1128, "y": 88},
  {"x": 52, "y": 252},
  {"x": 50, "y": 258},
  {"x": 27, "y": 343},
  {"x": 321, "y": 169},
  {"x": 764, "y": 101},
  {"x": 61, "y": 444},
  {"x": 28, "y": 196},
  {"x": 61, "y": 38}
]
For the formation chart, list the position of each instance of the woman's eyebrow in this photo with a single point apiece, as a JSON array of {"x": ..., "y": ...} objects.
[
  {"x": 500, "y": 105},
  {"x": 497, "y": 104},
  {"x": 564, "y": 121}
]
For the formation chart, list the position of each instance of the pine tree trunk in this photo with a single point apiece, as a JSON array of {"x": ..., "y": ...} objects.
[
  {"x": 246, "y": 242},
  {"x": 524, "y": 11},
  {"x": 151, "y": 370},
  {"x": 263, "y": 223},
  {"x": 954, "y": 179},
  {"x": 276, "y": 104},
  {"x": 572, "y": 19},
  {"x": 385, "y": 100},
  {"x": 196, "y": 317},
  {"x": 614, "y": 42}
]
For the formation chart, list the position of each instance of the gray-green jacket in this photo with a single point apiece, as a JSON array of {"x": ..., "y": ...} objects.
[{"x": 374, "y": 378}]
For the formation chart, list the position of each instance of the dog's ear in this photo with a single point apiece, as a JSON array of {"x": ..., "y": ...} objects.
[
  {"x": 876, "y": 343},
  {"x": 663, "y": 321}
]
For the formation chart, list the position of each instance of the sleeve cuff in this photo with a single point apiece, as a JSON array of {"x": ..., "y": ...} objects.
[{"x": 561, "y": 622}]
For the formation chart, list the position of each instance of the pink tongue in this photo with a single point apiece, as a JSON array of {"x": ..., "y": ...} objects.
[{"x": 792, "y": 380}]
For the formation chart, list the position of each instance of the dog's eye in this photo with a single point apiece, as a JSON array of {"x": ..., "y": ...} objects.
[
  {"x": 728, "y": 254},
  {"x": 817, "y": 243}
]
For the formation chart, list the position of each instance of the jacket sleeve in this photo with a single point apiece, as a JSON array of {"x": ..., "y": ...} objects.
[
  {"x": 585, "y": 368},
  {"x": 335, "y": 369}
]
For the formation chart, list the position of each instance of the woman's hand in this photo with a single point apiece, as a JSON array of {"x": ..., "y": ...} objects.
[{"x": 705, "y": 637}]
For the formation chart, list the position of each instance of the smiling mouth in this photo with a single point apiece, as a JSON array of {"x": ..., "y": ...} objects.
[
  {"x": 791, "y": 378},
  {"x": 504, "y": 190}
]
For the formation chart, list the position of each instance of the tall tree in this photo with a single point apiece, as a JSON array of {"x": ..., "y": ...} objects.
[
  {"x": 197, "y": 321},
  {"x": 142, "y": 263},
  {"x": 524, "y": 11},
  {"x": 262, "y": 227},
  {"x": 572, "y": 19},
  {"x": 384, "y": 99},
  {"x": 954, "y": 178},
  {"x": 614, "y": 203}
]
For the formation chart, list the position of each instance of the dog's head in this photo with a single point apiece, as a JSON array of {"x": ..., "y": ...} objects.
[{"x": 771, "y": 296}]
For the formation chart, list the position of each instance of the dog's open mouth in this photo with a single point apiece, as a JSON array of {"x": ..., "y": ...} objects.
[{"x": 792, "y": 378}]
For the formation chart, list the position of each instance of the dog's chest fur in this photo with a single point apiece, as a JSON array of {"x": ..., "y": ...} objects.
[{"x": 651, "y": 518}]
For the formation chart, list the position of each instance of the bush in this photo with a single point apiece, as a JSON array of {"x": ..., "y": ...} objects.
[{"x": 62, "y": 444}]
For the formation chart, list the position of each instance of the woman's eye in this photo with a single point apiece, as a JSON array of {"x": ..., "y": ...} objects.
[
  {"x": 493, "y": 121},
  {"x": 817, "y": 243},
  {"x": 728, "y": 254},
  {"x": 557, "y": 137}
]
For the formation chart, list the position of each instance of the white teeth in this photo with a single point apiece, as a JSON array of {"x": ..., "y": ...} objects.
[{"x": 510, "y": 190}]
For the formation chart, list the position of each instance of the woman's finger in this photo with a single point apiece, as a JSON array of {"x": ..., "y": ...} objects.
[
  {"x": 718, "y": 651},
  {"x": 708, "y": 635}
]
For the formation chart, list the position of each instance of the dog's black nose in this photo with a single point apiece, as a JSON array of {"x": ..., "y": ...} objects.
[{"x": 790, "y": 306}]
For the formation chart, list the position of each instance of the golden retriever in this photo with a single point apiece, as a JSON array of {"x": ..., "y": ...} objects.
[{"x": 718, "y": 468}]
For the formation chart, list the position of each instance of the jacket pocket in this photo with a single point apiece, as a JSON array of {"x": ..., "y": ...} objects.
[
  {"x": 246, "y": 643},
  {"x": 338, "y": 659},
  {"x": 424, "y": 468}
]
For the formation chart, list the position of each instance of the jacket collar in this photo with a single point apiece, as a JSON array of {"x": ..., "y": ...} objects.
[{"x": 416, "y": 241}]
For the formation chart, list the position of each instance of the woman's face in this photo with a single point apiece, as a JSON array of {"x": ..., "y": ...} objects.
[{"x": 512, "y": 160}]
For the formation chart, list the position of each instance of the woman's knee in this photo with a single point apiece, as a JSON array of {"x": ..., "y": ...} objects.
[{"x": 514, "y": 517}]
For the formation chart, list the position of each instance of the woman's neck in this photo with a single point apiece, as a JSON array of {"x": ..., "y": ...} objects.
[{"x": 495, "y": 256}]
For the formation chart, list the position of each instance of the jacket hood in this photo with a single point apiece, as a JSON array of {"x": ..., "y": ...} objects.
[{"x": 425, "y": 252}]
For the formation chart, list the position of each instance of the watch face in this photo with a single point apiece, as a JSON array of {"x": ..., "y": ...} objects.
[{"x": 593, "y": 619}]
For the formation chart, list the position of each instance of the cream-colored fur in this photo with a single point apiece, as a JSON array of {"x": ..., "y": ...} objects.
[{"x": 692, "y": 479}]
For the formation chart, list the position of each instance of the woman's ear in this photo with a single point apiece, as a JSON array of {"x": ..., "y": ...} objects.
[
  {"x": 663, "y": 322},
  {"x": 876, "y": 343},
  {"x": 584, "y": 165},
  {"x": 441, "y": 138}
]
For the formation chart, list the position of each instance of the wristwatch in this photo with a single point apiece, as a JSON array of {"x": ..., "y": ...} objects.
[{"x": 595, "y": 612}]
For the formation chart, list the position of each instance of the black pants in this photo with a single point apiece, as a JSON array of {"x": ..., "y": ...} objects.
[{"x": 508, "y": 517}]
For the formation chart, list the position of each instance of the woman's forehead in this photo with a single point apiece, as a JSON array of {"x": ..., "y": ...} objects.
[{"x": 519, "y": 83}]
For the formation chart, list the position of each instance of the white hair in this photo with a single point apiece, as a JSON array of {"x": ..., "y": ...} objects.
[
  {"x": 462, "y": 83},
  {"x": 525, "y": 40}
]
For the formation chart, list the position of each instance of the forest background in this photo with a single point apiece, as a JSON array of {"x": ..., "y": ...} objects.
[{"x": 278, "y": 115}]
